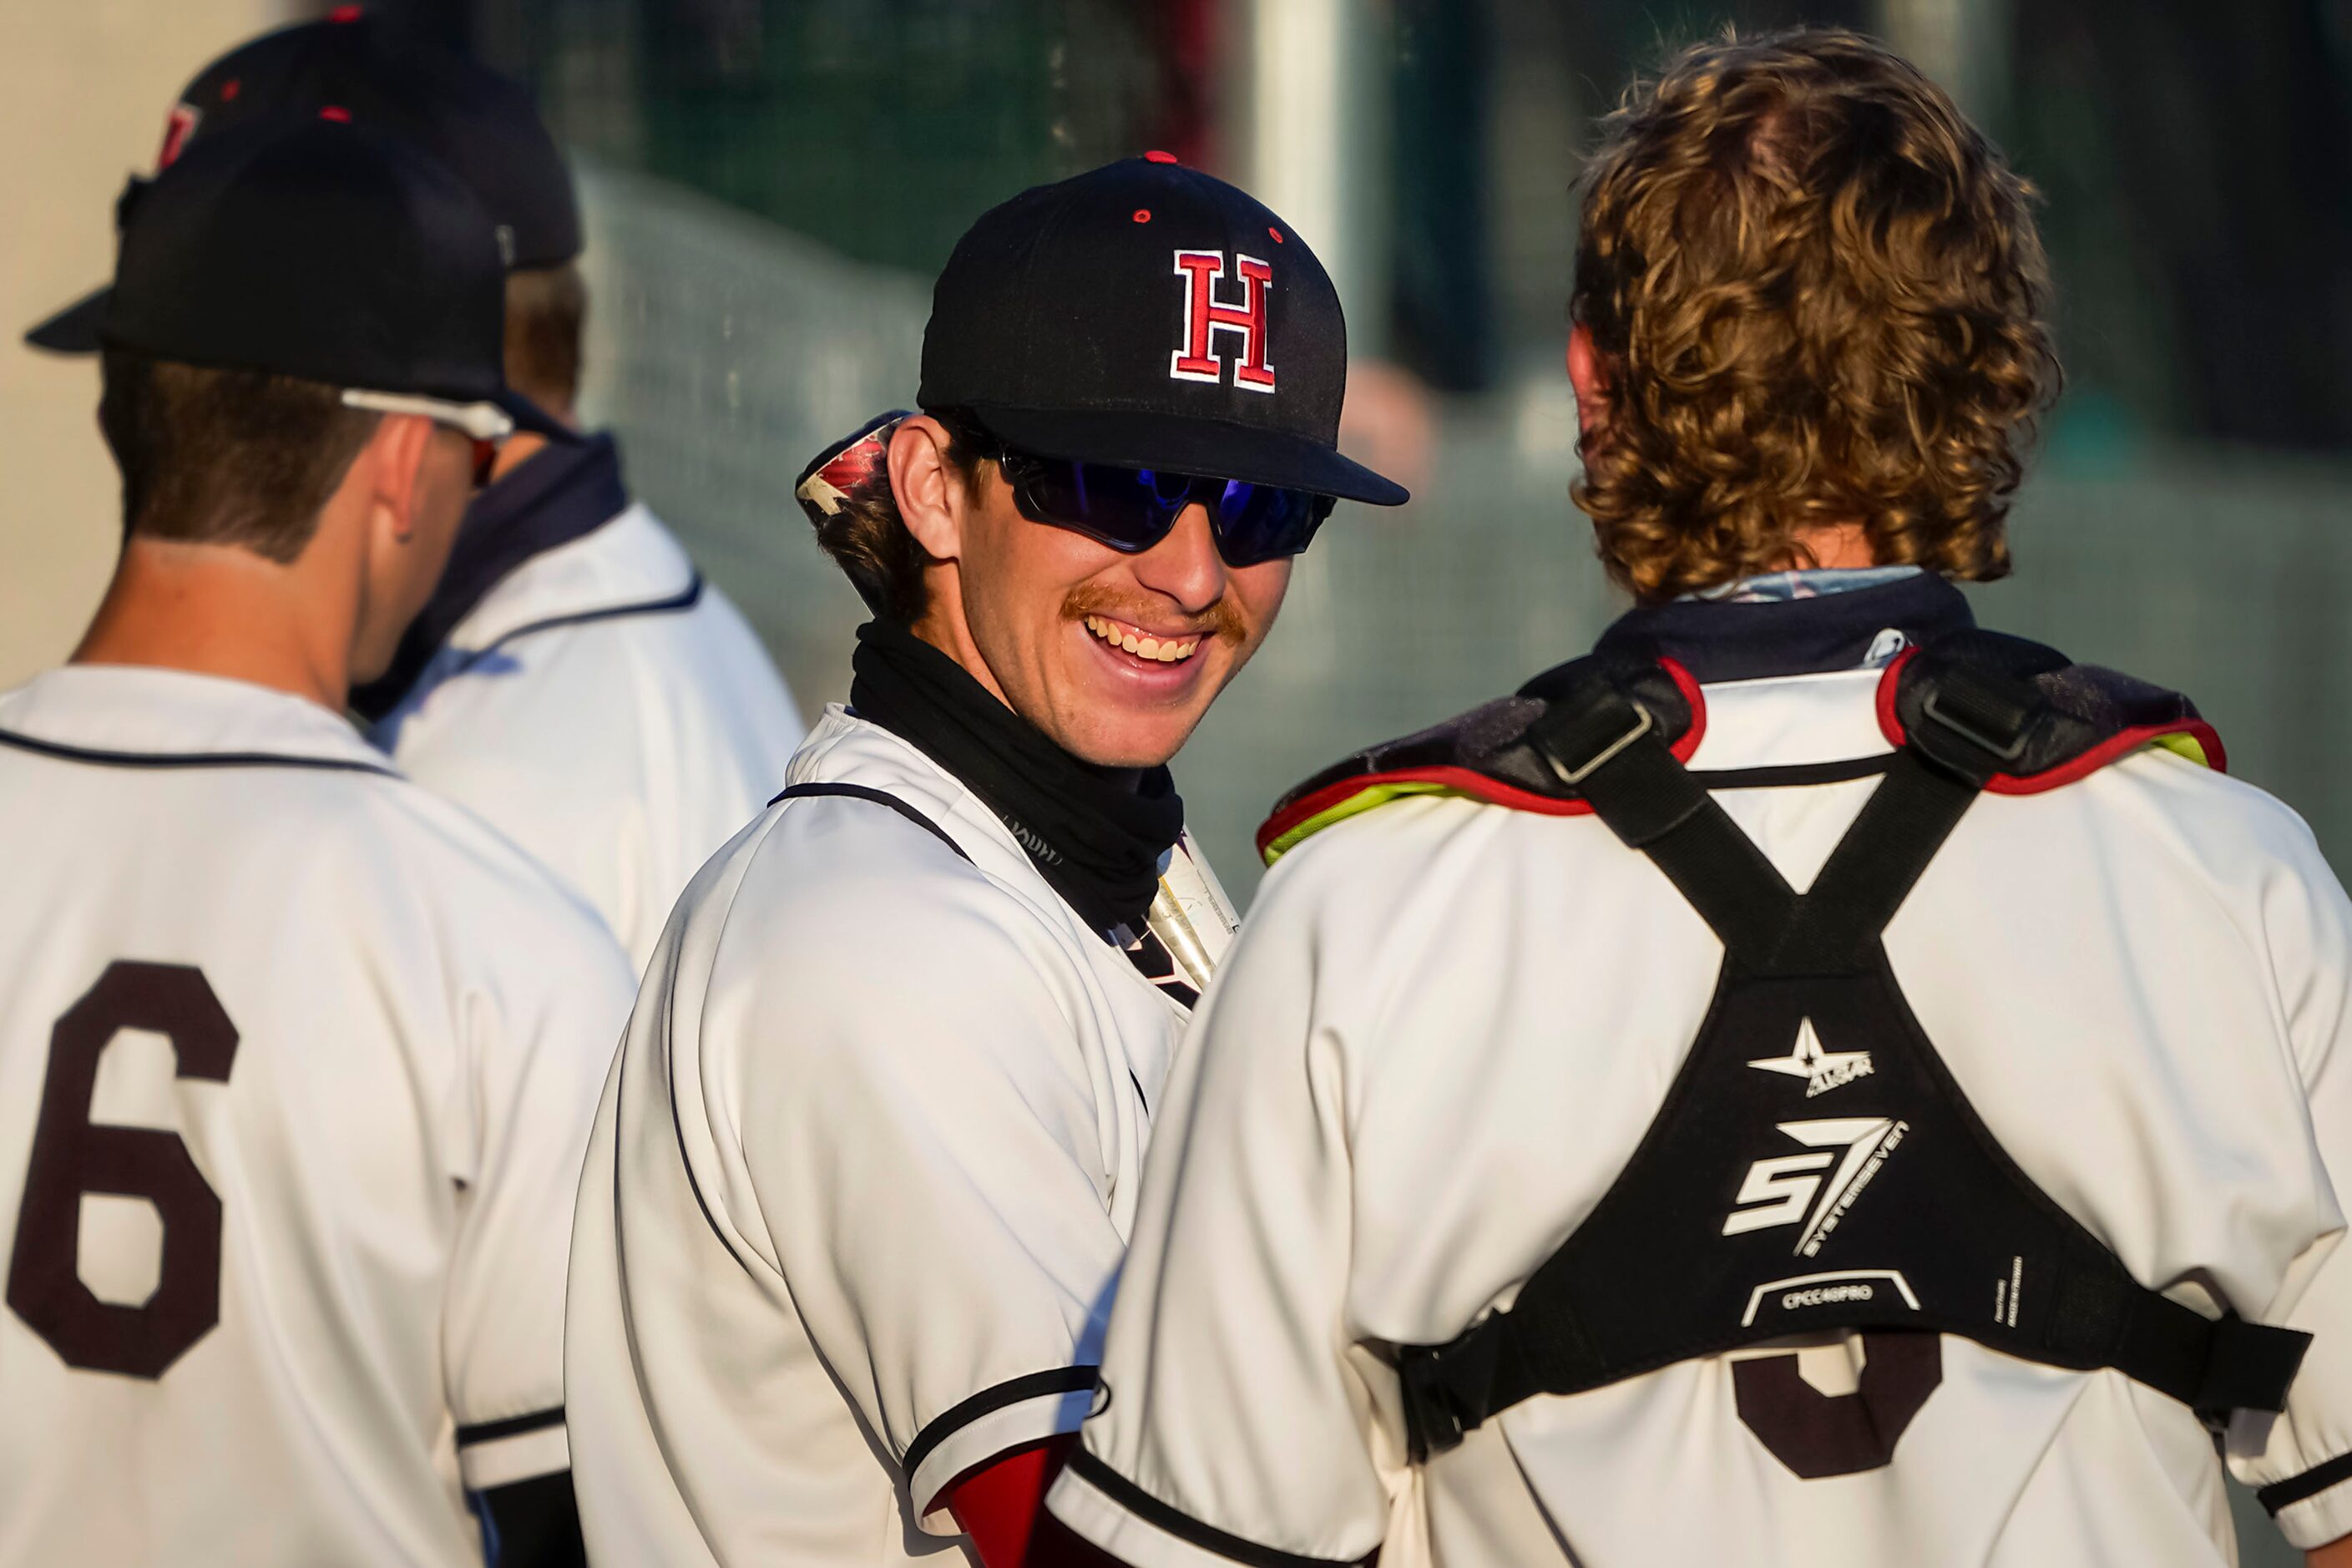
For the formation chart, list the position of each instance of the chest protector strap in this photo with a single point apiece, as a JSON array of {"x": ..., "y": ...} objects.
[{"x": 1814, "y": 1165}]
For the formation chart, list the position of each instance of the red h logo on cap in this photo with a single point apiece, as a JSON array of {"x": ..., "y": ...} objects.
[{"x": 1205, "y": 315}]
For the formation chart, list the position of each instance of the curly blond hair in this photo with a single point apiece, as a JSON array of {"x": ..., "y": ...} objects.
[{"x": 1816, "y": 294}]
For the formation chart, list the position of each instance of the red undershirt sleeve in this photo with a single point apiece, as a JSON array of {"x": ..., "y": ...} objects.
[{"x": 1000, "y": 1504}]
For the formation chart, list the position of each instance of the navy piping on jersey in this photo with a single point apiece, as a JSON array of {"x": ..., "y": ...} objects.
[
  {"x": 1182, "y": 1526},
  {"x": 825, "y": 788},
  {"x": 987, "y": 1402},
  {"x": 1789, "y": 774},
  {"x": 2285, "y": 1494},
  {"x": 96, "y": 758},
  {"x": 512, "y": 1427},
  {"x": 683, "y": 600}
]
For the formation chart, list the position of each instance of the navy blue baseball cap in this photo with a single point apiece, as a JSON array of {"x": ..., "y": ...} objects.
[
  {"x": 1148, "y": 316},
  {"x": 482, "y": 125},
  {"x": 307, "y": 245}
]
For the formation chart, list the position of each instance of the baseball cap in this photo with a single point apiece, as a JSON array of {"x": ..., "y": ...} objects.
[
  {"x": 310, "y": 247},
  {"x": 1150, "y": 316},
  {"x": 482, "y": 125}
]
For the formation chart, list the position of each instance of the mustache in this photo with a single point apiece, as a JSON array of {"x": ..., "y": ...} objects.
[{"x": 1222, "y": 620}]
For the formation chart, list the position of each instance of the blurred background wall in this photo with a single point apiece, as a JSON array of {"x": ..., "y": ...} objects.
[
  {"x": 772, "y": 183},
  {"x": 769, "y": 185},
  {"x": 90, "y": 83}
]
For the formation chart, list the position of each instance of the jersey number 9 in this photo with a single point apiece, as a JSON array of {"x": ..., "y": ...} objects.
[{"x": 73, "y": 1155}]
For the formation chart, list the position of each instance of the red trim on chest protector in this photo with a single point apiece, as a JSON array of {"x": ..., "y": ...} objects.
[
  {"x": 1475, "y": 784},
  {"x": 2074, "y": 769}
]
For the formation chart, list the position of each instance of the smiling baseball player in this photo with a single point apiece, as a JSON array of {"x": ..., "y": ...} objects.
[
  {"x": 297, "y": 1059},
  {"x": 574, "y": 680},
  {"x": 1812, "y": 1083},
  {"x": 863, "y": 1176}
]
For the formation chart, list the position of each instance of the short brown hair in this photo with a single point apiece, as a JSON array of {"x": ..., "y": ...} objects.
[
  {"x": 546, "y": 309},
  {"x": 1817, "y": 292},
  {"x": 225, "y": 457},
  {"x": 869, "y": 539}
]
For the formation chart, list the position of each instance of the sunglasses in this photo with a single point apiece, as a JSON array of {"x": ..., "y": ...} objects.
[
  {"x": 484, "y": 423},
  {"x": 1131, "y": 509}
]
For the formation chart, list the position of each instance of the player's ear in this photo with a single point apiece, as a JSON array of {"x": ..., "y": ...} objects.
[
  {"x": 390, "y": 467},
  {"x": 930, "y": 492},
  {"x": 1588, "y": 372}
]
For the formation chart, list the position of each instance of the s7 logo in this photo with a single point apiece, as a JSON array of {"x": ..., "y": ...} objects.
[{"x": 1777, "y": 1189}]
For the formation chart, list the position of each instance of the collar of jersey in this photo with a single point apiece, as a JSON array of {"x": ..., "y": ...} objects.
[
  {"x": 1719, "y": 641},
  {"x": 141, "y": 711},
  {"x": 628, "y": 562},
  {"x": 846, "y": 749}
]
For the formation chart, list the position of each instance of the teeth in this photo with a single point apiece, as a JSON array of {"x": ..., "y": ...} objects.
[{"x": 1142, "y": 646}]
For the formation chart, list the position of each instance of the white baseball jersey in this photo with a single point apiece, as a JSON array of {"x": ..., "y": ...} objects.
[
  {"x": 297, "y": 1066},
  {"x": 1449, "y": 1024},
  {"x": 609, "y": 711},
  {"x": 861, "y": 1181}
]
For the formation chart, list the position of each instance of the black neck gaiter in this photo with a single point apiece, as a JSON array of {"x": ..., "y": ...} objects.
[{"x": 1096, "y": 840}]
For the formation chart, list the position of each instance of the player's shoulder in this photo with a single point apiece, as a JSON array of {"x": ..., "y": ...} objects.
[
  {"x": 2234, "y": 830},
  {"x": 867, "y": 824},
  {"x": 2075, "y": 741},
  {"x": 585, "y": 604},
  {"x": 1366, "y": 894},
  {"x": 464, "y": 874},
  {"x": 281, "y": 783},
  {"x": 873, "y": 867},
  {"x": 690, "y": 646},
  {"x": 607, "y": 634}
]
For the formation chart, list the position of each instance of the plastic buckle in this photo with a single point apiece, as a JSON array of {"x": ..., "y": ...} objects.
[
  {"x": 2248, "y": 1366},
  {"x": 2005, "y": 751},
  {"x": 1432, "y": 1424},
  {"x": 1643, "y": 724}
]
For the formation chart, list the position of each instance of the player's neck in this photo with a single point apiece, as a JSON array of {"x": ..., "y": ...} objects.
[
  {"x": 215, "y": 609},
  {"x": 1834, "y": 546},
  {"x": 522, "y": 446},
  {"x": 517, "y": 449}
]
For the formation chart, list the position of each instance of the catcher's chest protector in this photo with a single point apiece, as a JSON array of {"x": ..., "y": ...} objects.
[{"x": 1814, "y": 1165}]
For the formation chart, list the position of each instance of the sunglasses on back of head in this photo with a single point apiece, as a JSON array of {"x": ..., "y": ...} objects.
[
  {"x": 1131, "y": 509},
  {"x": 482, "y": 424}
]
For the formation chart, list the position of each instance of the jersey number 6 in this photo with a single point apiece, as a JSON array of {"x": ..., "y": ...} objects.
[{"x": 73, "y": 1155}]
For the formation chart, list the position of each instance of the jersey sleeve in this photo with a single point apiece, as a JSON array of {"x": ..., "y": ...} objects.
[
  {"x": 538, "y": 1038},
  {"x": 2301, "y": 1462},
  {"x": 922, "y": 1131},
  {"x": 1239, "y": 1420}
]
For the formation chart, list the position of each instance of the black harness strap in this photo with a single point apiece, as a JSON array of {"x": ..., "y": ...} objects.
[
  {"x": 1648, "y": 1279},
  {"x": 1607, "y": 748},
  {"x": 1840, "y": 918}
]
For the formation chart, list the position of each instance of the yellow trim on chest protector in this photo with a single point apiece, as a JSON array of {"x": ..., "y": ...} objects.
[{"x": 1361, "y": 801}]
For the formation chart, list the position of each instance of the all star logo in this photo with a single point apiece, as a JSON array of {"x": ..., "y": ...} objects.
[{"x": 1821, "y": 1070}]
